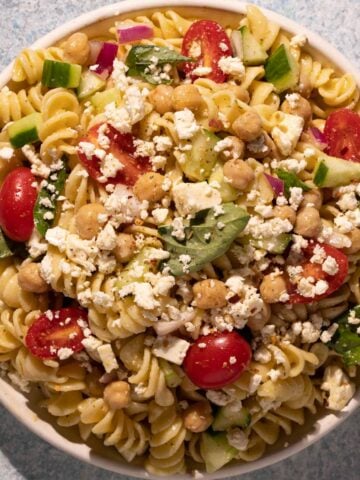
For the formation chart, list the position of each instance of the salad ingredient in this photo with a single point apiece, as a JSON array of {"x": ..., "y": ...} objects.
[
  {"x": 198, "y": 417},
  {"x": 162, "y": 98},
  {"x": 5, "y": 250},
  {"x": 202, "y": 42},
  {"x": 342, "y": 134},
  {"x": 77, "y": 48},
  {"x": 125, "y": 247},
  {"x": 187, "y": 96},
  {"x": 105, "y": 59},
  {"x": 285, "y": 213},
  {"x": 87, "y": 220},
  {"x": 90, "y": 83},
  {"x": 247, "y": 126},
  {"x": 354, "y": 236},
  {"x": 334, "y": 172},
  {"x": 210, "y": 293},
  {"x": 117, "y": 395},
  {"x": 277, "y": 244},
  {"x": 253, "y": 52},
  {"x": 216, "y": 360},
  {"x": 312, "y": 198},
  {"x": 216, "y": 451},
  {"x": 276, "y": 184},
  {"x": 56, "y": 331},
  {"x": 227, "y": 417},
  {"x": 281, "y": 69},
  {"x": 202, "y": 157},
  {"x": 30, "y": 280},
  {"x": 273, "y": 288},
  {"x": 297, "y": 106},
  {"x": 149, "y": 186},
  {"x": 45, "y": 206},
  {"x": 129, "y": 32},
  {"x": 25, "y": 130},
  {"x": 308, "y": 222},
  {"x": 61, "y": 74},
  {"x": 291, "y": 180},
  {"x": 346, "y": 340},
  {"x": 100, "y": 99},
  {"x": 227, "y": 192},
  {"x": 17, "y": 201},
  {"x": 192, "y": 253},
  {"x": 238, "y": 173}
]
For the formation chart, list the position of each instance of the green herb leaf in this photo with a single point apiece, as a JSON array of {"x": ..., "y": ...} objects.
[
  {"x": 346, "y": 341},
  {"x": 207, "y": 237},
  {"x": 47, "y": 198},
  {"x": 140, "y": 61},
  {"x": 5, "y": 250},
  {"x": 291, "y": 180}
]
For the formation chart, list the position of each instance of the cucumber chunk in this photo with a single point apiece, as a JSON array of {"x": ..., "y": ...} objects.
[
  {"x": 216, "y": 451},
  {"x": 334, "y": 172},
  {"x": 202, "y": 157},
  {"x": 281, "y": 69},
  {"x": 227, "y": 192},
  {"x": 253, "y": 52},
  {"x": 101, "y": 99},
  {"x": 275, "y": 245},
  {"x": 90, "y": 83},
  {"x": 60, "y": 74},
  {"x": 227, "y": 418},
  {"x": 144, "y": 258},
  {"x": 25, "y": 130},
  {"x": 172, "y": 378}
]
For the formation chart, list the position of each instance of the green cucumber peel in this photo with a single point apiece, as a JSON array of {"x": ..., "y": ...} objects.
[
  {"x": 47, "y": 199},
  {"x": 321, "y": 173},
  {"x": 204, "y": 240},
  {"x": 291, "y": 180},
  {"x": 5, "y": 250},
  {"x": 141, "y": 57},
  {"x": 346, "y": 342}
]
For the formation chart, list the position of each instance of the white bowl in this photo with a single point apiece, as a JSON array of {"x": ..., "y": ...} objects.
[{"x": 36, "y": 419}]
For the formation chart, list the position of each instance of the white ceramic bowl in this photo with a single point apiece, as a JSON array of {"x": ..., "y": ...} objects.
[{"x": 39, "y": 422}]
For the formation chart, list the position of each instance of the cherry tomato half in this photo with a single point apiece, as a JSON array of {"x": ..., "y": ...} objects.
[
  {"x": 122, "y": 147},
  {"x": 216, "y": 360},
  {"x": 314, "y": 270},
  {"x": 206, "y": 41},
  {"x": 342, "y": 133},
  {"x": 17, "y": 200},
  {"x": 55, "y": 330}
]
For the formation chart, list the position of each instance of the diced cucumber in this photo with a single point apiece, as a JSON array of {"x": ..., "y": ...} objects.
[
  {"x": 202, "y": 157},
  {"x": 227, "y": 192},
  {"x": 253, "y": 52},
  {"x": 25, "y": 130},
  {"x": 333, "y": 171},
  {"x": 227, "y": 418},
  {"x": 61, "y": 74},
  {"x": 90, "y": 83},
  {"x": 216, "y": 451},
  {"x": 281, "y": 69},
  {"x": 144, "y": 259},
  {"x": 275, "y": 245},
  {"x": 172, "y": 378},
  {"x": 101, "y": 99}
]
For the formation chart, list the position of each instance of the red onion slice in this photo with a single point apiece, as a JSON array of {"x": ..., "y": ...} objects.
[
  {"x": 95, "y": 47},
  {"x": 129, "y": 32},
  {"x": 319, "y": 138},
  {"x": 105, "y": 59},
  {"x": 276, "y": 184}
]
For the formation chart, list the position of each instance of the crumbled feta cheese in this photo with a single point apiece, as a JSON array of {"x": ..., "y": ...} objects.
[
  {"x": 293, "y": 100},
  {"x": 119, "y": 75},
  {"x": 6, "y": 153},
  {"x": 287, "y": 131},
  {"x": 262, "y": 355},
  {"x": 64, "y": 353},
  {"x": 232, "y": 66},
  {"x": 91, "y": 345},
  {"x": 185, "y": 260},
  {"x": 160, "y": 215},
  {"x": 143, "y": 294},
  {"x": 340, "y": 389},
  {"x": 107, "y": 238},
  {"x": 298, "y": 41},
  {"x": 107, "y": 358},
  {"x": 171, "y": 348},
  {"x": 201, "y": 71},
  {"x": 38, "y": 168},
  {"x": 296, "y": 197},
  {"x": 218, "y": 397},
  {"x": 178, "y": 230},
  {"x": 185, "y": 124},
  {"x": 190, "y": 198},
  {"x": 327, "y": 335},
  {"x": 309, "y": 334},
  {"x": 330, "y": 266},
  {"x": 237, "y": 439}
]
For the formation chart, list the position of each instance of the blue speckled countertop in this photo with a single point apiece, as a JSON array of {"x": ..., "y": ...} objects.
[{"x": 24, "y": 456}]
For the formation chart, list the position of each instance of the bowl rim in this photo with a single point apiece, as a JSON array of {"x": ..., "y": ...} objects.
[{"x": 16, "y": 403}]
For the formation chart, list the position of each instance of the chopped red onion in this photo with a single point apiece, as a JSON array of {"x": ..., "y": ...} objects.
[
  {"x": 129, "y": 32},
  {"x": 104, "y": 62},
  {"x": 319, "y": 138},
  {"x": 276, "y": 184},
  {"x": 95, "y": 47}
]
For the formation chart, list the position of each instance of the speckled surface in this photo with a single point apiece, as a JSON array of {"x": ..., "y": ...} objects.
[{"x": 24, "y": 456}]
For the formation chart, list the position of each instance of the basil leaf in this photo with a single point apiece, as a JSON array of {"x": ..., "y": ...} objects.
[
  {"x": 45, "y": 207},
  {"x": 207, "y": 237},
  {"x": 346, "y": 341},
  {"x": 5, "y": 250},
  {"x": 291, "y": 180},
  {"x": 147, "y": 61}
]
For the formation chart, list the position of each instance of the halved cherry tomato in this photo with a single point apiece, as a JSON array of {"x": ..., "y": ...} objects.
[
  {"x": 314, "y": 270},
  {"x": 55, "y": 330},
  {"x": 17, "y": 200},
  {"x": 206, "y": 41},
  {"x": 123, "y": 148},
  {"x": 216, "y": 360},
  {"x": 342, "y": 133}
]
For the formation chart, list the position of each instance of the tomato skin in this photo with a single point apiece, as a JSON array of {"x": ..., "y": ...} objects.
[
  {"x": 210, "y": 367},
  {"x": 342, "y": 134},
  {"x": 209, "y": 35},
  {"x": 123, "y": 148},
  {"x": 315, "y": 270},
  {"x": 17, "y": 200},
  {"x": 46, "y": 336}
]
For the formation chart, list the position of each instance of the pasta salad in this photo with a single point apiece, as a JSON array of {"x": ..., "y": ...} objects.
[{"x": 180, "y": 236}]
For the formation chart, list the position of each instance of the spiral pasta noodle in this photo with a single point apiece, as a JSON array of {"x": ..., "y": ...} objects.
[
  {"x": 15, "y": 105},
  {"x": 28, "y": 65}
]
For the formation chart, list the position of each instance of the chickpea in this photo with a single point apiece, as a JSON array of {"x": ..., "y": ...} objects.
[
  {"x": 238, "y": 173},
  {"x": 125, "y": 247},
  {"x": 308, "y": 222},
  {"x": 30, "y": 280},
  {"x": 162, "y": 98},
  {"x": 117, "y": 395},
  {"x": 87, "y": 220},
  {"x": 355, "y": 242},
  {"x": 302, "y": 108},
  {"x": 236, "y": 149},
  {"x": 210, "y": 293},
  {"x": 149, "y": 187},
  {"x": 198, "y": 417},
  {"x": 240, "y": 92},
  {"x": 248, "y": 126},
  {"x": 258, "y": 322},
  {"x": 76, "y": 48},
  {"x": 187, "y": 96},
  {"x": 313, "y": 198},
  {"x": 285, "y": 213},
  {"x": 272, "y": 287}
]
